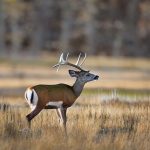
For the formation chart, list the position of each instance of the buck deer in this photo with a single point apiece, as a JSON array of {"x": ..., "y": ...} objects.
[{"x": 59, "y": 96}]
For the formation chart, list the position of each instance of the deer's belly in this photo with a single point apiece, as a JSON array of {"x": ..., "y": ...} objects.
[{"x": 55, "y": 104}]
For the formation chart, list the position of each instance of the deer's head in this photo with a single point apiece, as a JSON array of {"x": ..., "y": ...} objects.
[{"x": 82, "y": 76}]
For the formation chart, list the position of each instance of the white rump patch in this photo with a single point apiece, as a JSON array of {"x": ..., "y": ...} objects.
[
  {"x": 28, "y": 96},
  {"x": 56, "y": 104}
]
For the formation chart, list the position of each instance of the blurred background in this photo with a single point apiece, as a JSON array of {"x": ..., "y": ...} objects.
[
  {"x": 114, "y": 33},
  {"x": 106, "y": 27}
]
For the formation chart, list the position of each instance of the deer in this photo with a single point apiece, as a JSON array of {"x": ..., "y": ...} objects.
[{"x": 59, "y": 96}]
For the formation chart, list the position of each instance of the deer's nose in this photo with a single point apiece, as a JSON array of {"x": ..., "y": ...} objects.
[{"x": 96, "y": 77}]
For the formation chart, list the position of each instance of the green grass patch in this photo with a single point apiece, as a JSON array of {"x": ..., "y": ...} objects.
[{"x": 121, "y": 92}]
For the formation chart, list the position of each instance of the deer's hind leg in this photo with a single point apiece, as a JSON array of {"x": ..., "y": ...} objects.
[{"x": 31, "y": 115}]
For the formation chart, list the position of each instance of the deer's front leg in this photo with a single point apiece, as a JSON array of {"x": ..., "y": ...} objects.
[{"x": 62, "y": 117}]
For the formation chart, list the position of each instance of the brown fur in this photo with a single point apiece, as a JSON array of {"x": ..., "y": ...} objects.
[{"x": 54, "y": 93}]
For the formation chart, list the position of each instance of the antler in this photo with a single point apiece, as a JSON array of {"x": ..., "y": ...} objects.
[{"x": 63, "y": 61}]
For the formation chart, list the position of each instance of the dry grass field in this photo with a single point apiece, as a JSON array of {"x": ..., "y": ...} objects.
[
  {"x": 95, "y": 125},
  {"x": 112, "y": 113}
]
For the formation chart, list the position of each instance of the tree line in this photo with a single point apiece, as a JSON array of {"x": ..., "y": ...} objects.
[{"x": 107, "y": 27}]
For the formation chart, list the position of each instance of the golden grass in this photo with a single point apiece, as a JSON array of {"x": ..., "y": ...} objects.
[
  {"x": 99, "y": 125},
  {"x": 93, "y": 124}
]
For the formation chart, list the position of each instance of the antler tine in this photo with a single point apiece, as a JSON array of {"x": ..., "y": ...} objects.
[
  {"x": 67, "y": 57},
  {"x": 62, "y": 61},
  {"x": 61, "y": 57},
  {"x": 77, "y": 63},
  {"x": 78, "y": 60},
  {"x": 83, "y": 59}
]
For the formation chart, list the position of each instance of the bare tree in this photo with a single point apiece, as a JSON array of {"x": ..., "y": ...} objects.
[
  {"x": 2, "y": 48},
  {"x": 132, "y": 18},
  {"x": 90, "y": 30},
  {"x": 67, "y": 23}
]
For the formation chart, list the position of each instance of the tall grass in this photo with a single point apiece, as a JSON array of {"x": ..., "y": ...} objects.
[{"x": 103, "y": 125}]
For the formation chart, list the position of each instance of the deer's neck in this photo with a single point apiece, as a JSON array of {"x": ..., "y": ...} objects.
[{"x": 78, "y": 87}]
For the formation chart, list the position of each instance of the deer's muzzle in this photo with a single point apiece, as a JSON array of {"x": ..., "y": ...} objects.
[{"x": 96, "y": 77}]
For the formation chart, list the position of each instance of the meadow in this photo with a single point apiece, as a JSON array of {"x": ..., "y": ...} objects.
[{"x": 112, "y": 113}]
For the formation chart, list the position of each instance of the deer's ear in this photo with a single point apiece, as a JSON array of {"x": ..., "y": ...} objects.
[{"x": 73, "y": 73}]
